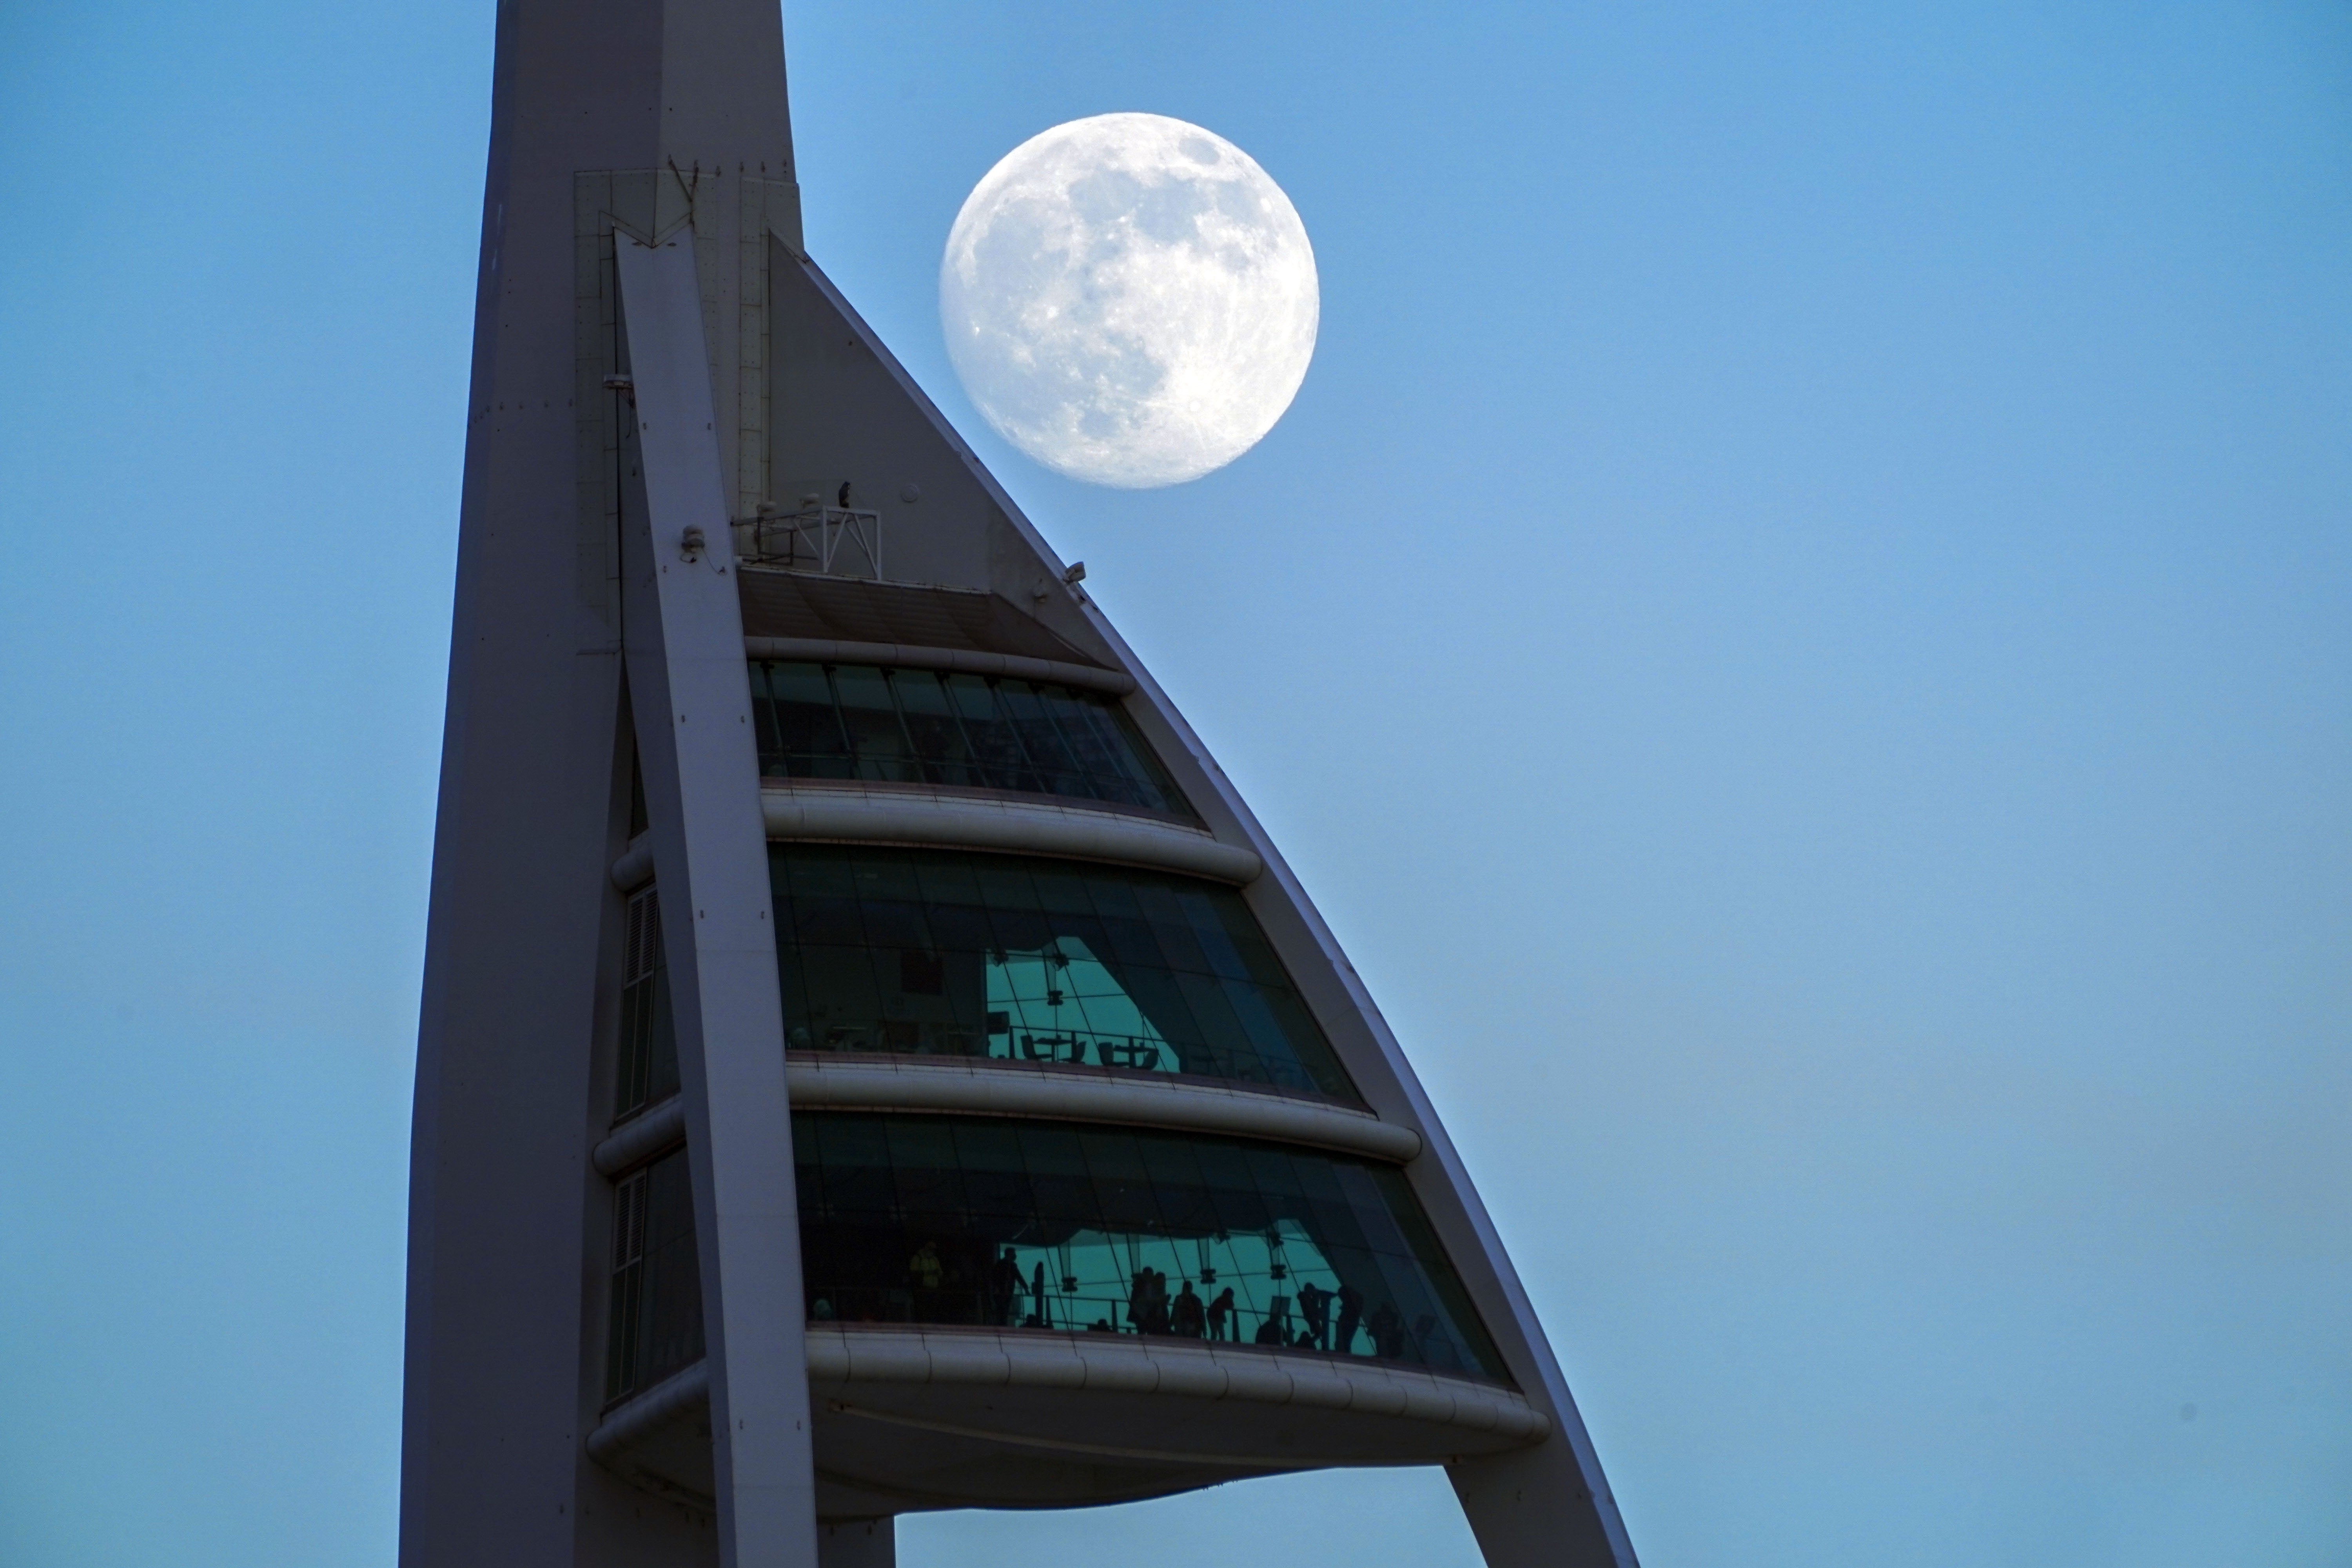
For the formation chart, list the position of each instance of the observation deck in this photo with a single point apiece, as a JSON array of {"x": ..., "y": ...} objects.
[
  {"x": 910, "y": 1419},
  {"x": 1042, "y": 1060}
]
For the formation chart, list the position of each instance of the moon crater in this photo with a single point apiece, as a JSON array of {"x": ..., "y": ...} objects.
[{"x": 1129, "y": 299}]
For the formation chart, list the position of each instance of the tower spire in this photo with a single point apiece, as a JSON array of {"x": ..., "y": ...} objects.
[
  {"x": 870, "y": 1058},
  {"x": 627, "y": 121}
]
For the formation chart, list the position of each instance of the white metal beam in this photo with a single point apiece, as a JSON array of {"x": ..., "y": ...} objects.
[{"x": 684, "y": 636}]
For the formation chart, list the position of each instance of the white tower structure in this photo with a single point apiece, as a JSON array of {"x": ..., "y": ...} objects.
[{"x": 871, "y": 1059}]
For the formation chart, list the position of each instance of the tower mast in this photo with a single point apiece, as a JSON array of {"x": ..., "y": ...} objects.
[
  {"x": 870, "y": 1058},
  {"x": 629, "y": 122}
]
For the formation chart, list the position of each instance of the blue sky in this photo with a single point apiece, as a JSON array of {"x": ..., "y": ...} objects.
[{"x": 1797, "y": 628}]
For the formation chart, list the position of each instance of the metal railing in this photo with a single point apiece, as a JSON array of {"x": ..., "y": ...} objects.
[
  {"x": 815, "y": 537},
  {"x": 1002, "y": 1042},
  {"x": 1383, "y": 1333}
]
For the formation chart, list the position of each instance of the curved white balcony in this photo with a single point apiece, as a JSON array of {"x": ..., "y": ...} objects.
[
  {"x": 905, "y": 815},
  {"x": 1062, "y": 1094},
  {"x": 898, "y": 655},
  {"x": 911, "y": 1419},
  {"x": 910, "y": 814}
]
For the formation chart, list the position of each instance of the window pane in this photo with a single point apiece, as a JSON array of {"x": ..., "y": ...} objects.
[
  {"x": 1096, "y": 748},
  {"x": 870, "y": 718},
  {"x": 1010, "y": 1224},
  {"x": 811, "y": 741},
  {"x": 972, "y": 732},
  {"x": 939, "y": 952},
  {"x": 655, "y": 1324},
  {"x": 996, "y": 748},
  {"x": 938, "y": 734}
]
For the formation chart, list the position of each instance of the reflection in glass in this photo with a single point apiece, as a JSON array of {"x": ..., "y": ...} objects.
[
  {"x": 931, "y": 727},
  {"x": 927, "y": 1219},
  {"x": 941, "y": 953}
]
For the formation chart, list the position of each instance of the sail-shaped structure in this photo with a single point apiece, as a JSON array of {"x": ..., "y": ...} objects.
[{"x": 871, "y": 1059}]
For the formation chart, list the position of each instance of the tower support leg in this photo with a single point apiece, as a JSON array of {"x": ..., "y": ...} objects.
[
  {"x": 684, "y": 636},
  {"x": 1533, "y": 1509},
  {"x": 857, "y": 1544}
]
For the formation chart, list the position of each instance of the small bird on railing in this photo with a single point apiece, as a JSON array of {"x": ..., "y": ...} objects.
[{"x": 842, "y": 500}]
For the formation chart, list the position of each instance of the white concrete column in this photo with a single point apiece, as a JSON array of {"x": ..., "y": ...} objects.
[{"x": 684, "y": 636}]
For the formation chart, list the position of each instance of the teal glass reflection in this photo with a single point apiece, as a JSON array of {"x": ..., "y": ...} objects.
[
  {"x": 1002, "y": 1223},
  {"x": 945, "y": 954}
]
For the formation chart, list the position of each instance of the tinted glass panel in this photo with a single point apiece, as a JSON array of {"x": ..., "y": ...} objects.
[
  {"x": 649, "y": 1056},
  {"x": 945, "y": 954},
  {"x": 922, "y": 726},
  {"x": 977, "y": 1221},
  {"x": 656, "y": 1297}
]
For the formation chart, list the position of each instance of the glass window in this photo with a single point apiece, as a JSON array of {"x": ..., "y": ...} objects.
[
  {"x": 794, "y": 706},
  {"x": 922, "y": 726},
  {"x": 657, "y": 1297},
  {"x": 945, "y": 954},
  {"x": 972, "y": 1220},
  {"x": 878, "y": 739},
  {"x": 648, "y": 1057}
]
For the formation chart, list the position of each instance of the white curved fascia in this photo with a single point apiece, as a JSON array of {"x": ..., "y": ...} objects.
[
  {"x": 1141, "y": 1099},
  {"x": 655, "y": 1130},
  {"x": 646, "y": 1412},
  {"x": 980, "y": 1089},
  {"x": 898, "y": 656},
  {"x": 635, "y": 867},
  {"x": 841, "y": 1358},
  {"x": 1126, "y": 1364},
  {"x": 849, "y": 814}
]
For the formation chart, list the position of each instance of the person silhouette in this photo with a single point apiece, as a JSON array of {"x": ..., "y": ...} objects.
[
  {"x": 928, "y": 1271},
  {"x": 1155, "y": 1305},
  {"x": 1139, "y": 1301},
  {"x": 1315, "y": 1312},
  {"x": 1351, "y": 1312},
  {"x": 1003, "y": 1289},
  {"x": 1185, "y": 1314},
  {"x": 1219, "y": 1310},
  {"x": 1275, "y": 1330},
  {"x": 925, "y": 1266},
  {"x": 1388, "y": 1331}
]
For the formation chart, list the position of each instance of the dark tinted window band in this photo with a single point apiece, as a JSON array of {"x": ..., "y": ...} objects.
[
  {"x": 946, "y": 953},
  {"x": 930, "y": 1219},
  {"x": 953, "y": 730},
  {"x": 655, "y": 1304}
]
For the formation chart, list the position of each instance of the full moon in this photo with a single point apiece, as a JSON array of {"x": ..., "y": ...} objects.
[{"x": 1129, "y": 299}]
